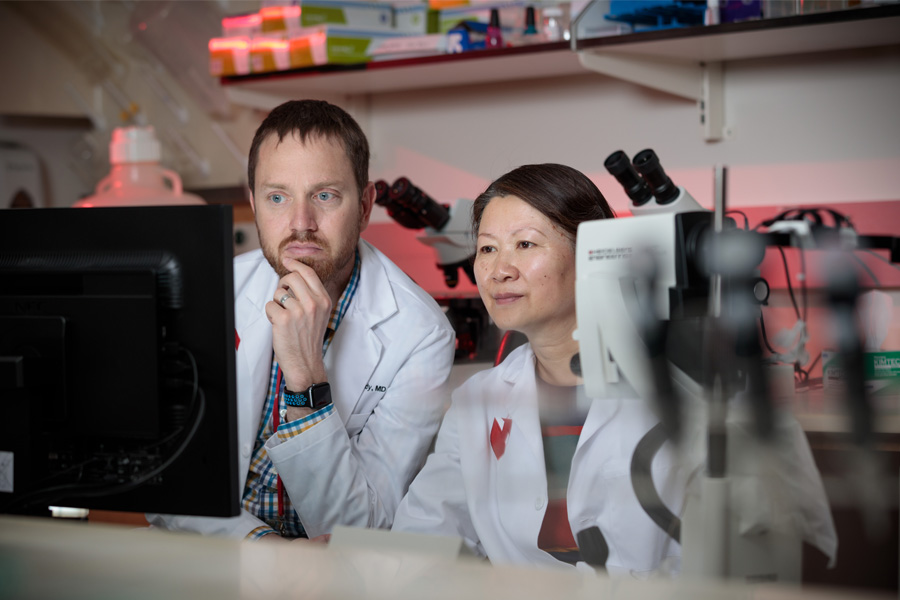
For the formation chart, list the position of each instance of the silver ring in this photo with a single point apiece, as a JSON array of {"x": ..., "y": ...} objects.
[{"x": 283, "y": 299}]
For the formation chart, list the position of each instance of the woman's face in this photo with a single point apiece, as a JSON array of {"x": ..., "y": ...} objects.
[{"x": 525, "y": 269}]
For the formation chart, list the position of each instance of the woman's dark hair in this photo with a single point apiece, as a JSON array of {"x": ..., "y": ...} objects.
[
  {"x": 311, "y": 119},
  {"x": 562, "y": 194}
]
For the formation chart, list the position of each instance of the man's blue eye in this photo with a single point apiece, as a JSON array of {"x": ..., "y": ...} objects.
[
  {"x": 276, "y": 198},
  {"x": 324, "y": 196}
]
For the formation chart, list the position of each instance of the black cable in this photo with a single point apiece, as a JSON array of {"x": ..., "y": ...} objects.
[
  {"x": 762, "y": 329},
  {"x": 643, "y": 486},
  {"x": 743, "y": 214},
  {"x": 879, "y": 257},
  {"x": 803, "y": 291},
  {"x": 194, "y": 394},
  {"x": 866, "y": 268},
  {"x": 787, "y": 275},
  {"x": 80, "y": 490},
  {"x": 798, "y": 370},
  {"x": 813, "y": 363},
  {"x": 77, "y": 490}
]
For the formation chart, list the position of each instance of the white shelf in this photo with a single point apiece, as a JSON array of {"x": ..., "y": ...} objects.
[
  {"x": 688, "y": 62},
  {"x": 477, "y": 67},
  {"x": 673, "y": 60}
]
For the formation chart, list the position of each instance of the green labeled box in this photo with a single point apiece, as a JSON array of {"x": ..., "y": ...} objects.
[
  {"x": 374, "y": 16},
  {"x": 881, "y": 371}
]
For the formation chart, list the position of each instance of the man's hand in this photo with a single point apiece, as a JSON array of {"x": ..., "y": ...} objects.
[{"x": 299, "y": 313}]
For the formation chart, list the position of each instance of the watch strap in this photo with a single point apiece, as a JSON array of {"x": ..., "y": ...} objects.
[{"x": 316, "y": 396}]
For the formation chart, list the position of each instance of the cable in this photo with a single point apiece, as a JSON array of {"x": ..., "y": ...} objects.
[
  {"x": 643, "y": 486},
  {"x": 879, "y": 257},
  {"x": 813, "y": 363},
  {"x": 798, "y": 370},
  {"x": 194, "y": 395},
  {"x": 743, "y": 214},
  {"x": 866, "y": 268},
  {"x": 95, "y": 490},
  {"x": 762, "y": 329},
  {"x": 81, "y": 490},
  {"x": 787, "y": 275},
  {"x": 803, "y": 291}
]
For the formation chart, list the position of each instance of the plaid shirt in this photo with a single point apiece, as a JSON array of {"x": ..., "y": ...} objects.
[{"x": 261, "y": 491}]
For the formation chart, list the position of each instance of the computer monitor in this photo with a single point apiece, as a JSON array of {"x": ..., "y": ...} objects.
[{"x": 117, "y": 379}]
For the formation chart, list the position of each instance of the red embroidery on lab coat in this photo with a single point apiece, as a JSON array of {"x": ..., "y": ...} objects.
[{"x": 499, "y": 436}]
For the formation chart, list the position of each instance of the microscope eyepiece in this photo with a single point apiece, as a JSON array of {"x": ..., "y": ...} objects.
[
  {"x": 621, "y": 168},
  {"x": 382, "y": 191},
  {"x": 647, "y": 164},
  {"x": 432, "y": 214},
  {"x": 404, "y": 216}
]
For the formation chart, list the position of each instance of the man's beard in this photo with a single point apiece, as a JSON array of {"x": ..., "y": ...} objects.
[{"x": 325, "y": 266}]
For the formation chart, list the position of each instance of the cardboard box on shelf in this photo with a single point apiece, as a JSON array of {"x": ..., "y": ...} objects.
[
  {"x": 229, "y": 56},
  {"x": 882, "y": 378},
  {"x": 374, "y": 16},
  {"x": 280, "y": 21},
  {"x": 416, "y": 18}
]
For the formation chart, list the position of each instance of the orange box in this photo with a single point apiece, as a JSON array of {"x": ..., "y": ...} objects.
[{"x": 229, "y": 56}]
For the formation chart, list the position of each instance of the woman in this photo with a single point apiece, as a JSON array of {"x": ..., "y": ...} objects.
[
  {"x": 524, "y": 463},
  {"x": 500, "y": 471}
]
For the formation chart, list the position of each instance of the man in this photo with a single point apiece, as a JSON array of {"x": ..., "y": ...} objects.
[{"x": 351, "y": 354}]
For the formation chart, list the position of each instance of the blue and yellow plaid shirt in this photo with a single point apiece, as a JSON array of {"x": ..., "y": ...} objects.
[{"x": 261, "y": 491}]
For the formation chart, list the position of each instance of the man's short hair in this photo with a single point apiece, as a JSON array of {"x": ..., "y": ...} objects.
[{"x": 311, "y": 119}]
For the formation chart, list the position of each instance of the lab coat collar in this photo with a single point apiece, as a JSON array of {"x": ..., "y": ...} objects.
[
  {"x": 373, "y": 303},
  {"x": 518, "y": 371},
  {"x": 374, "y": 300}
]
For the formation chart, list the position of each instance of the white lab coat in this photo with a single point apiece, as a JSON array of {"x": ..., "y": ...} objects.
[
  {"x": 387, "y": 366},
  {"x": 498, "y": 505}
]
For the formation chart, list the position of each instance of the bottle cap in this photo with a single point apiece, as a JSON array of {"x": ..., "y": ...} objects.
[
  {"x": 529, "y": 18},
  {"x": 133, "y": 145}
]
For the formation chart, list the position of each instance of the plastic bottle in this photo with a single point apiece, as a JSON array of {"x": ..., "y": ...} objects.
[
  {"x": 494, "y": 37},
  {"x": 556, "y": 22},
  {"x": 136, "y": 177},
  {"x": 530, "y": 28}
]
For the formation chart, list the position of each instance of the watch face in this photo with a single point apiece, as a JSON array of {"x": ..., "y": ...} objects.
[{"x": 320, "y": 395}]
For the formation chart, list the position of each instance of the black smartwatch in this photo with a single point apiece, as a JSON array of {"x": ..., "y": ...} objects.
[{"x": 316, "y": 396}]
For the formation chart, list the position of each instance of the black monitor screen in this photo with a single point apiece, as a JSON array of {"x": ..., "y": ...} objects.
[{"x": 117, "y": 385}]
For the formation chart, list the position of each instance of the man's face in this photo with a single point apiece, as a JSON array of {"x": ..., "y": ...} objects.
[{"x": 307, "y": 206}]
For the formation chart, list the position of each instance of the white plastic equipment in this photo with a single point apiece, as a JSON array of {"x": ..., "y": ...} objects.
[{"x": 136, "y": 177}]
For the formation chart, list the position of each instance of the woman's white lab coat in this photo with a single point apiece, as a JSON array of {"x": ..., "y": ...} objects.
[{"x": 497, "y": 504}]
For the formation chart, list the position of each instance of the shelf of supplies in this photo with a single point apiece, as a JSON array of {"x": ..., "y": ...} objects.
[
  {"x": 688, "y": 62},
  {"x": 815, "y": 32},
  {"x": 421, "y": 72},
  {"x": 837, "y": 30}
]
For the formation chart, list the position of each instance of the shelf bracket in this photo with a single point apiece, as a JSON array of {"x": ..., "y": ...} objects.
[{"x": 701, "y": 82}]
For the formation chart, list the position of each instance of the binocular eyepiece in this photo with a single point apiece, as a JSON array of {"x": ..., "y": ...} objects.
[
  {"x": 409, "y": 205},
  {"x": 643, "y": 178}
]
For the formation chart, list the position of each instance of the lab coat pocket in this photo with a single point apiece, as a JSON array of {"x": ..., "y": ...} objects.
[{"x": 355, "y": 423}]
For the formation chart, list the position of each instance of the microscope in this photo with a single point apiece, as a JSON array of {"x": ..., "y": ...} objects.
[
  {"x": 446, "y": 229},
  {"x": 669, "y": 301}
]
